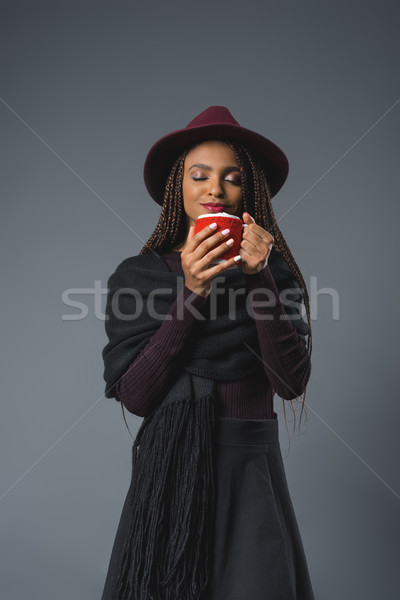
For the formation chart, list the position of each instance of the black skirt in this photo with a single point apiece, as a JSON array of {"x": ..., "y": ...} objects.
[{"x": 258, "y": 551}]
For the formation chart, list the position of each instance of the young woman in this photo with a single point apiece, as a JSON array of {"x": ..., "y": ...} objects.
[{"x": 199, "y": 349}]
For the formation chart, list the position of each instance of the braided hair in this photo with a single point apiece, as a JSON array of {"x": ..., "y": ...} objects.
[{"x": 171, "y": 227}]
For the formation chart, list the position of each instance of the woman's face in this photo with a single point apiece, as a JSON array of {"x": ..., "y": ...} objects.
[{"x": 211, "y": 175}]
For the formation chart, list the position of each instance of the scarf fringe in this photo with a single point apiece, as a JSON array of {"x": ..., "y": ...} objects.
[{"x": 167, "y": 552}]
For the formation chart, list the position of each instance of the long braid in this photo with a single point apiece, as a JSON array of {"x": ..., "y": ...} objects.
[
  {"x": 171, "y": 227},
  {"x": 261, "y": 207}
]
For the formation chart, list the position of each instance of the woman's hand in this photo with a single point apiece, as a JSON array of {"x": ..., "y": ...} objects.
[
  {"x": 255, "y": 246},
  {"x": 200, "y": 250}
]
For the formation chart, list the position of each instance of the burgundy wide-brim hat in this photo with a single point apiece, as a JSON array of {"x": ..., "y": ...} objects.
[{"x": 216, "y": 122}]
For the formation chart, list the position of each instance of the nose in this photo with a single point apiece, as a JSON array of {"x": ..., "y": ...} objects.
[{"x": 215, "y": 188}]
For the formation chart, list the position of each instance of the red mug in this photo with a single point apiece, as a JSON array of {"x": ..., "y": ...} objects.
[{"x": 224, "y": 221}]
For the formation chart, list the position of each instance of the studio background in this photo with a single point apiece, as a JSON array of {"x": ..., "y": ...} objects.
[{"x": 85, "y": 90}]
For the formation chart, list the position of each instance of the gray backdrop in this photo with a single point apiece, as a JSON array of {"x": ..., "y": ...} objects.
[{"x": 86, "y": 88}]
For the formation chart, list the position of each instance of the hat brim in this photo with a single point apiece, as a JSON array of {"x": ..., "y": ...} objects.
[{"x": 165, "y": 151}]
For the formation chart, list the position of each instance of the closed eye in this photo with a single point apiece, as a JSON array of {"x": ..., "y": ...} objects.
[{"x": 234, "y": 181}]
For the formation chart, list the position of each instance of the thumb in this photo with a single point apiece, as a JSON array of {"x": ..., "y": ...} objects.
[
  {"x": 247, "y": 218},
  {"x": 191, "y": 231}
]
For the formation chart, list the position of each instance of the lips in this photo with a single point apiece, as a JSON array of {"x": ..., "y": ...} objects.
[{"x": 213, "y": 207}]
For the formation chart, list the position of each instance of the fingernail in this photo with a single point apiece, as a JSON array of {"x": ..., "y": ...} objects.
[
  {"x": 213, "y": 225},
  {"x": 236, "y": 258},
  {"x": 230, "y": 242},
  {"x": 225, "y": 231}
]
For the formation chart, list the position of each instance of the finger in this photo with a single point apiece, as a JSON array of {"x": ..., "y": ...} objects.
[
  {"x": 212, "y": 248},
  {"x": 206, "y": 231},
  {"x": 248, "y": 244},
  {"x": 215, "y": 269},
  {"x": 253, "y": 258},
  {"x": 255, "y": 235},
  {"x": 207, "y": 244},
  {"x": 195, "y": 239},
  {"x": 242, "y": 249},
  {"x": 238, "y": 260}
]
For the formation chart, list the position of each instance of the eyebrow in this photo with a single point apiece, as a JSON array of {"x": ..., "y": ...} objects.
[{"x": 208, "y": 168}]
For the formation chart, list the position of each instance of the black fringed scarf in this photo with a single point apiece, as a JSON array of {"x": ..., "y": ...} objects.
[{"x": 167, "y": 552}]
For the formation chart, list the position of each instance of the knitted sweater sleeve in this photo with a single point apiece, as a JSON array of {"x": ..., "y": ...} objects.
[
  {"x": 285, "y": 357},
  {"x": 142, "y": 386}
]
